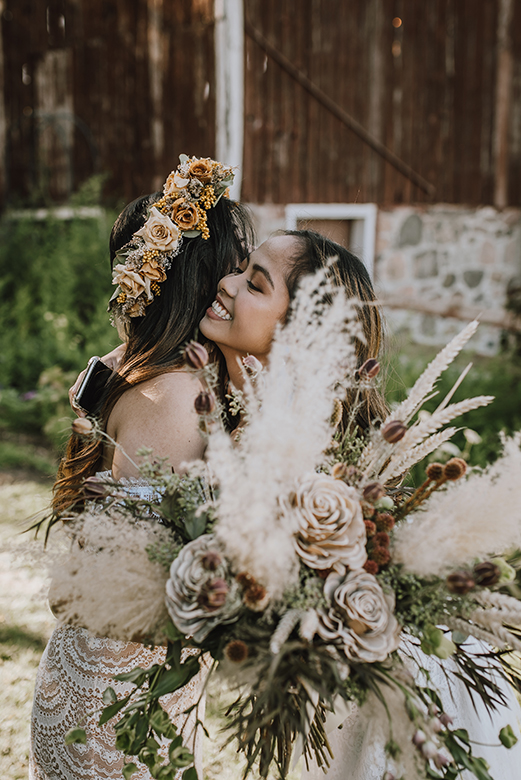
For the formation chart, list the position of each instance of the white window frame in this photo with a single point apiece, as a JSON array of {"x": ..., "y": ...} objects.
[{"x": 363, "y": 216}]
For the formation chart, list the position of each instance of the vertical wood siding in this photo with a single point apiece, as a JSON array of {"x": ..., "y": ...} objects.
[
  {"x": 117, "y": 86},
  {"x": 426, "y": 89}
]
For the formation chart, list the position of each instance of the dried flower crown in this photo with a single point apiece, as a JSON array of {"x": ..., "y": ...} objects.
[{"x": 195, "y": 186}]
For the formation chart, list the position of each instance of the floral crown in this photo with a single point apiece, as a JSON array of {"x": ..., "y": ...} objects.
[{"x": 195, "y": 186}]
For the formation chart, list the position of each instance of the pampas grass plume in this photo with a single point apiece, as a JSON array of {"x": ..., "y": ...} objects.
[
  {"x": 474, "y": 518},
  {"x": 107, "y": 583}
]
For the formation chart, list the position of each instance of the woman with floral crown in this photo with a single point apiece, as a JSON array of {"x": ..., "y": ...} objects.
[{"x": 170, "y": 249}]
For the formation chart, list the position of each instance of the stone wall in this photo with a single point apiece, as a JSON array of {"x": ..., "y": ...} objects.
[
  {"x": 455, "y": 255},
  {"x": 451, "y": 254}
]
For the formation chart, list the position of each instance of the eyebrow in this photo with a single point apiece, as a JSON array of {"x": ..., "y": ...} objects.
[{"x": 264, "y": 272}]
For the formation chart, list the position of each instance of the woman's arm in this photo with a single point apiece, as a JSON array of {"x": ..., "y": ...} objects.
[{"x": 159, "y": 414}]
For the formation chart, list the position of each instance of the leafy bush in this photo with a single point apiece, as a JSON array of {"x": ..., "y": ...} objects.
[{"x": 54, "y": 287}]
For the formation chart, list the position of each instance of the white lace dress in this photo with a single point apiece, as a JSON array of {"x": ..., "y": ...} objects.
[
  {"x": 75, "y": 668},
  {"x": 358, "y": 744}
]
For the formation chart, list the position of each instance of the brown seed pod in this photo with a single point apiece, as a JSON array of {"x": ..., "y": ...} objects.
[
  {"x": 454, "y": 469},
  {"x": 393, "y": 431},
  {"x": 204, "y": 403},
  {"x": 196, "y": 355},
  {"x": 236, "y": 651},
  {"x": 487, "y": 574},
  {"x": 380, "y": 555},
  {"x": 381, "y": 539},
  {"x": 369, "y": 369},
  {"x": 435, "y": 471},
  {"x": 370, "y": 528},
  {"x": 371, "y": 567},
  {"x": 460, "y": 582},
  {"x": 82, "y": 426},
  {"x": 373, "y": 491},
  {"x": 384, "y": 521}
]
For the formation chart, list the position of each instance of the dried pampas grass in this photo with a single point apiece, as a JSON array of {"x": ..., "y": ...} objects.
[
  {"x": 288, "y": 429},
  {"x": 107, "y": 583},
  {"x": 473, "y": 518}
]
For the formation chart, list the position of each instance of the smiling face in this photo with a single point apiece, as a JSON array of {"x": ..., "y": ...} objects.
[{"x": 251, "y": 301}]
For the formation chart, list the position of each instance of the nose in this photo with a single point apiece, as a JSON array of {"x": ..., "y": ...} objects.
[{"x": 228, "y": 285}]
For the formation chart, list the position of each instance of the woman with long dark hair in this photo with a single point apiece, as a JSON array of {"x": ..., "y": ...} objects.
[{"x": 169, "y": 250}]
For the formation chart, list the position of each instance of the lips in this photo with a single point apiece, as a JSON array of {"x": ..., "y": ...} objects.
[{"x": 220, "y": 311}]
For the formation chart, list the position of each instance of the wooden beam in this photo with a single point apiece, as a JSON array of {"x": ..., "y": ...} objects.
[{"x": 499, "y": 318}]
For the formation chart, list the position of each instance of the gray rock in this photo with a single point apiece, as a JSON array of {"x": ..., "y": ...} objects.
[
  {"x": 472, "y": 278},
  {"x": 411, "y": 231},
  {"x": 426, "y": 265}
]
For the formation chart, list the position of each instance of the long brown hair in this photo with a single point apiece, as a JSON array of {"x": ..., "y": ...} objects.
[
  {"x": 314, "y": 252},
  {"x": 155, "y": 341}
]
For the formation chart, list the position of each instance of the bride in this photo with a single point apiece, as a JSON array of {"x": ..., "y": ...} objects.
[
  {"x": 164, "y": 288},
  {"x": 249, "y": 304}
]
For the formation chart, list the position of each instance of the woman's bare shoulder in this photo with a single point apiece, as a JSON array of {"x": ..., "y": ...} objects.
[
  {"x": 171, "y": 390},
  {"x": 159, "y": 413}
]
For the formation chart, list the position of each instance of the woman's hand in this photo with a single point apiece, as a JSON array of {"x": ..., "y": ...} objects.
[{"x": 112, "y": 360}]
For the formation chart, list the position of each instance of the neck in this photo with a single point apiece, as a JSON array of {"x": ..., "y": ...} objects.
[{"x": 234, "y": 366}]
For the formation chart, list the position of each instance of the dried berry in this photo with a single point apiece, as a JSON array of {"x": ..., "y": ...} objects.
[
  {"x": 236, "y": 651},
  {"x": 369, "y": 369},
  {"x": 460, "y": 582},
  {"x": 487, "y": 574},
  {"x": 381, "y": 555},
  {"x": 381, "y": 539},
  {"x": 196, "y": 355},
  {"x": 371, "y": 567},
  {"x": 454, "y": 469},
  {"x": 373, "y": 491},
  {"x": 82, "y": 426},
  {"x": 204, "y": 403},
  {"x": 435, "y": 471},
  {"x": 393, "y": 431},
  {"x": 368, "y": 509},
  {"x": 384, "y": 521},
  {"x": 370, "y": 528}
]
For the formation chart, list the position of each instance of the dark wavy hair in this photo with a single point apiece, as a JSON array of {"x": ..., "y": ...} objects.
[
  {"x": 315, "y": 251},
  {"x": 155, "y": 341}
]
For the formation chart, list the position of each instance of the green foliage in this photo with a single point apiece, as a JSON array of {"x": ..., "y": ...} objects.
[
  {"x": 54, "y": 287},
  {"x": 499, "y": 376}
]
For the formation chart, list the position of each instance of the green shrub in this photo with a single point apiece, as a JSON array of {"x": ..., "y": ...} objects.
[{"x": 54, "y": 286}]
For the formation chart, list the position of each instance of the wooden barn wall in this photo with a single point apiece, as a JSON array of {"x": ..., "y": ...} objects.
[
  {"x": 117, "y": 86},
  {"x": 426, "y": 89}
]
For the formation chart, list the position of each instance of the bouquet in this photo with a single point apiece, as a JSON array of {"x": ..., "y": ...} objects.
[{"x": 296, "y": 562}]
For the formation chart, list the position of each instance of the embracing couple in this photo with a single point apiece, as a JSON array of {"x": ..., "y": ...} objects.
[{"x": 184, "y": 270}]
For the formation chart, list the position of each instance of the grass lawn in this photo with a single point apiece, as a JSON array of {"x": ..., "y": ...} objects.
[{"x": 25, "y": 625}]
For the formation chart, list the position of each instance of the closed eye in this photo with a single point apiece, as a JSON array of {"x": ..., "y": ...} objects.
[{"x": 251, "y": 286}]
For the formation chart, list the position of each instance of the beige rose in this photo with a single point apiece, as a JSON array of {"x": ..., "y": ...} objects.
[
  {"x": 153, "y": 270},
  {"x": 202, "y": 169},
  {"x": 185, "y": 214},
  {"x": 360, "y": 618},
  {"x": 330, "y": 525},
  {"x": 159, "y": 232},
  {"x": 131, "y": 282},
  {"x": 174, "y": 184}
]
